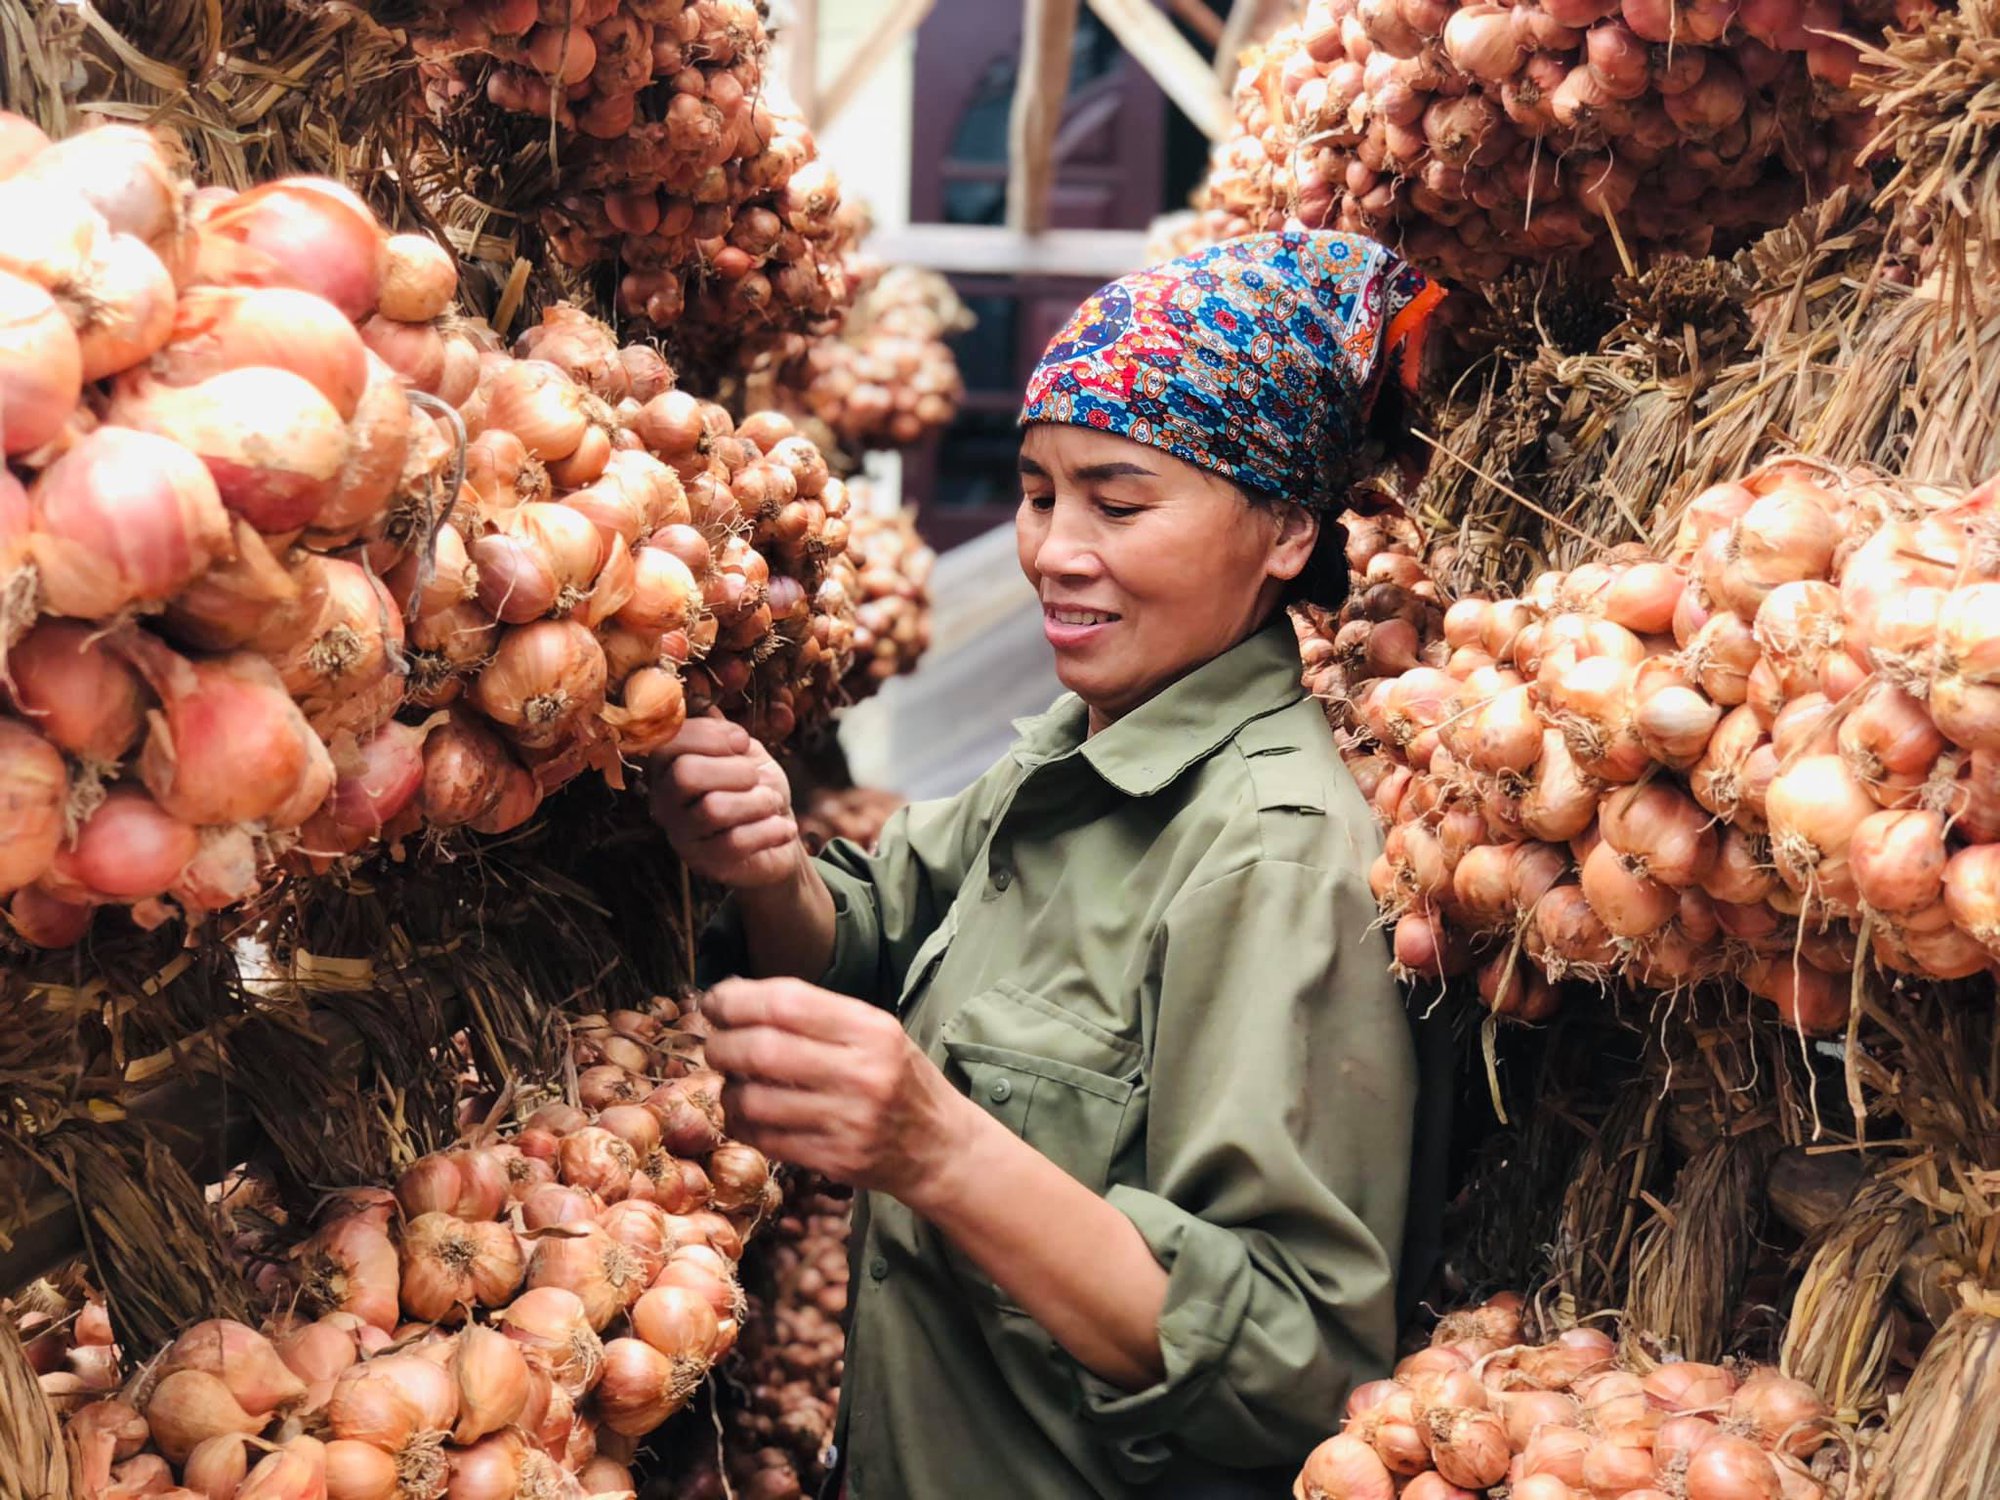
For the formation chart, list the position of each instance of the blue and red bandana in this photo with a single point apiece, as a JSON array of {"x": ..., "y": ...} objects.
[{"x": 1258, "y": 359}]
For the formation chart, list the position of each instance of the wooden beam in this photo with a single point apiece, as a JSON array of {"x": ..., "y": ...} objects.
[
  {"x": 1198, "y": 18},
  {"x": 1250, "y": 22},
  {"x": 901, "y": 19},
  {"x": 1187, "y": 78},
  {"x": 980, "y": 250},
  {"x": 1048, "y": 40}
]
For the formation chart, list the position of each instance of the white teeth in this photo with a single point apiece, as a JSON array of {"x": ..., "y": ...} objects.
[{"x": 1079, "y": 617}]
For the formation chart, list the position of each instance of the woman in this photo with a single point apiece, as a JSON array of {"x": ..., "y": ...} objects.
[{"x": 1107, "y": 1038}]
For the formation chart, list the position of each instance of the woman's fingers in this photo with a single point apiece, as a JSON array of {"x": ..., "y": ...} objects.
[
  {"x": 695, "y": 776},
  {"x": 705, "y": 737},
  {"x": 775, "y": 1056},
  {"x": 718, "y": 812},
  {"x": 794, "y": 1006},
  {"x": 770, "y": 1106}
]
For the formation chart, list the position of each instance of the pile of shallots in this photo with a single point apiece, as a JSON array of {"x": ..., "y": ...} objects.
[
  {"x": 890, "y": 567},
  {"x": 1474, "y": 135},
  {"x": 69, "y": 1343},
  {"x": 793, "y": 1345},
  {"x": 678, "y": 165},
  {"x": 888, "y": 379},
  {"x": 1749, "y": 760},
  {"x": 1559, "y": 1421},
  {"x": 511, "y": 1319},
  {"x": 247, "y": 623}
]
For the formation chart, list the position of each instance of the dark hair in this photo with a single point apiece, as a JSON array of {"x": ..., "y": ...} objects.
[{"x": 1324, "y": 580}]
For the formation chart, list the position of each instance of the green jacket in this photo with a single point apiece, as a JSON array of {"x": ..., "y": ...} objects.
[{"x": 1153, "y": 954}]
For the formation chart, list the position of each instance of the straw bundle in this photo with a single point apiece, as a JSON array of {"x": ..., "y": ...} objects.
[{"x": 32, "y": 1461}]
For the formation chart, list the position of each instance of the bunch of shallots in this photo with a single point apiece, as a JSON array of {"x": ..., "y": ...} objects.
[
  {"x": 251, "y": 618},
  {"x": 68, "y": 1341},
  {"x": 888, "y": 379},
  {"x": 1477, "y": 134},
  {"x": 887, "y": 571},
  {"x": 1481, "y": 1409},
  {"x": 513, "y": 1318},
  {"x": 678, "y": 164},
  {"x": 1734, "y": 762},
  {"x": 213, "y": 464},
  {"x": 793, "y": 1346}
]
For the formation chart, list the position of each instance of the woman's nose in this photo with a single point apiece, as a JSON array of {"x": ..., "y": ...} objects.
[{"x": 1067, "y": 550}]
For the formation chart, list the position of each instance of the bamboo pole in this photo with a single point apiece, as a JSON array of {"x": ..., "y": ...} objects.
[
  {"x": 901, "y": 19},
  {"x": 1048, "y": 38},
  {"x": 1185, "y": 76},
  {"x": 1198, "y": 18},
  {"x": 1250, "y": 21}
]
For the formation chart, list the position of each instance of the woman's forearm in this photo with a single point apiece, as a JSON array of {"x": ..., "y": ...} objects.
[
  {"x": 1077, "y": 1265},
  {"x": 788, "y": 927}
]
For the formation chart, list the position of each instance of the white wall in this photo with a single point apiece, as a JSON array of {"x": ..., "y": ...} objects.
[{"x": 869, "y": 142}]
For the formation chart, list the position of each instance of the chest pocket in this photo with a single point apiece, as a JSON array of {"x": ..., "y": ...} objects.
[{"x": 1060, "y": 1083}]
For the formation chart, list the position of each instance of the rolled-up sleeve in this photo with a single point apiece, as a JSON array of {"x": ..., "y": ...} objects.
[{"x": 1277, "y": 1145}]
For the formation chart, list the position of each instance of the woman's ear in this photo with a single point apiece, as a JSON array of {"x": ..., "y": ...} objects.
[{"x": 1292, "y": 548}]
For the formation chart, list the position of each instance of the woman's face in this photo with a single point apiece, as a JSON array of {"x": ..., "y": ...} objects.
[{"x": 1146, "y": 566}]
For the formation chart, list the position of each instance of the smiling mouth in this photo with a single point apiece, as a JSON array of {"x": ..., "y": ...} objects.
[{"x": 1078, "y": 616}]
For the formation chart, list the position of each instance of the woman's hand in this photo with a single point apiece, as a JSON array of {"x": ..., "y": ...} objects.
[
  {"x": 726, "y": 806},
  {"x": 834, "y": 1085}
]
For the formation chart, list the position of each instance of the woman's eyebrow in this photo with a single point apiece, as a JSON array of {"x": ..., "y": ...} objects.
[
  {"x": 1028, "y": 466},
  {"x": 1115, "y": 471}
]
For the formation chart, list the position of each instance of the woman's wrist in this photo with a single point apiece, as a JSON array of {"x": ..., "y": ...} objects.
[
  {"x": 957, "y": 1159},
  {"x": 789, "y": 923}
]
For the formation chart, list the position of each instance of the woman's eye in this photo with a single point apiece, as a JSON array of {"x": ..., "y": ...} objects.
[
  {"x": 1116, "y": 512},
  {"x": 1039, "y": 502}
]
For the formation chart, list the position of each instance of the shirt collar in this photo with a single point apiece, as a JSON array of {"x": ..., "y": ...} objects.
[{"x": 1185, "y": 722}]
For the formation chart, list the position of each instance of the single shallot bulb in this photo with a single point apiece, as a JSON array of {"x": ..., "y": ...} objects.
[
  {"x": 542, "y": 679},
  {"x": 124, "y": 517},
  {"x": 1784, "y": 1414},
  {"x": 188, "y": 1407},
  {"x": 351, "y": 1266},
  {"x": 1815, "y": 806},
  {"x": 41, "y": 366},
  {"x": 228, "y": 744},
  {"x": 641, "y": 1387},
  {"x": 34, "y": 787},
  {"x": 604, "y": 1274},
  {"x": 542, "y": 406},
  {"x": 122, "y": 171},
  {"x": 1345, "y": 1468},
  {"x": 76, "y": 691},
  {"x": 1898, "y": 860},
  {"x": 1730, "y": 1468},
  {"x": 273, "y": 443},
  {"x": 464, "y": 771},
  {"x": 492, "y": 1376},
  {"x": 552, "y": 1324},
  {"x": 129, "y": 849},
  {"x": 419, "y": 279},
  {"x": 303, "y": 232},
  {"x": 242, "y": 1359}
]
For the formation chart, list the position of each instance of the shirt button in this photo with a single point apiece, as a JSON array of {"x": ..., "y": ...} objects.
[
  {"x": 878, "y": 1268},
  {"x": 1002, "y": 878},
  {"x": 1000, "y": 1090}
]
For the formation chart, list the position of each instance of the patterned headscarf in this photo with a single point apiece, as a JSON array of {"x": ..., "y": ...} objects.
[{"x": 1258, "y": 359}]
